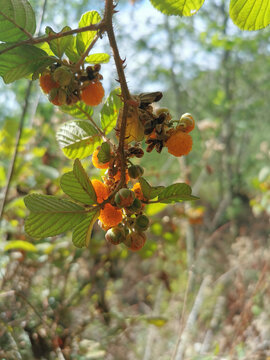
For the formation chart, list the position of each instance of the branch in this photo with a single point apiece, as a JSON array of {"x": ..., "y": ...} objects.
[
  {"x": 109, "y": 11},
  {"x": 40, "y": 39}
]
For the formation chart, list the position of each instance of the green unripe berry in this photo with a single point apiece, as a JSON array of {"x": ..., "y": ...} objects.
[
  {"x": 136, "y": 206},
  {"x": 63, "y": 76},
  {"x": 135, "y": 171},
  {"x": 135, "y": 240},
  {"x": 124, "y": 198},
  {"x": 115, "y": 235},
  {"x": 141, "y": 223}
]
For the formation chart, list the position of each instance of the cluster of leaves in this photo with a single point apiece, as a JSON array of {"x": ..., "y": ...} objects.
[
  {"x": 246, "y": 14},
  {"x": 23, "y": 55}
]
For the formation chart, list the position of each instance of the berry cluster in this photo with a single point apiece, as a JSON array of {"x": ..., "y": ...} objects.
[
  {"x": 160, "y": 132},
  {"x": 66, "y": 85},
  {"x": 122, "y": 216}
]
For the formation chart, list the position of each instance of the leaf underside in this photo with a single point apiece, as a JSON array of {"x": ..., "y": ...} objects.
[
  {"x": 15, "y": 17},
  {"x": 178, "y": 7},
  {"x": 250, "y": 14}
]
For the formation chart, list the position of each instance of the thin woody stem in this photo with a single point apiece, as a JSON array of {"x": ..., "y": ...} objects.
[
  {"x": 109, "y": 11},
  {"x": 41, "y": 39}
]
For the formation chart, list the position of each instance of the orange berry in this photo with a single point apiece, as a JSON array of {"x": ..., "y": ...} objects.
[
  {"x": 101, "y": 190},
  {"x": 110, "y": 216},
  {"x": 179, "y": 143},
  {"x": 47, "y": 83},
  {"x": 93, "y": 93},
  {"x": 96, "y": 162},
  {"x": 138, "y": 191},
  {"x": 117, "y": 176}
]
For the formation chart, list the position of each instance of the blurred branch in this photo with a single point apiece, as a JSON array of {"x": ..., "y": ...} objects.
[
  {"x": 152, "y": 330},
  {"x": 17, "y": 144}
]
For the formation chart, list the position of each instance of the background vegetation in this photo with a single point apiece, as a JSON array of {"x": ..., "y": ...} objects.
[{"x": 199, "y": 289}]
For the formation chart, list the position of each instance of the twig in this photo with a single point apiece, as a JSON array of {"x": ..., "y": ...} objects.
[{"x": 41, "y": 39}]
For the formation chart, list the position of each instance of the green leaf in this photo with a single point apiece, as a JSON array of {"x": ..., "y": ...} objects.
[
  {"x": 176, "y": 192},
  {"x": 71, "y": 50},
  {"x": 104, "y": 154},
  {"x": 78, "y": 139},
  {"x": 20, "y": 245},
  {"x": 178, "y": 7},
  {"x": 149, "y": 192},
  {"x": 82, "y": 233},
  {"x": 85, "y": 38},
  {"x": 100, "y": 58},
  {"x": 250, "y": 14},
  {"x": 79, "y": 110},
  {"x": 59, "y": 45},
  {"x": 17, "y": 18},
  {"x": 50, "y": 216},
  {"x": 110, "y": 110},
  {"x": 78, "y": 186},
  {"x": 22, "y": 61}
]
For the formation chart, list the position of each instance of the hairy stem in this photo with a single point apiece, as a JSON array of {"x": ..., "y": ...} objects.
[
  {"x": 109, "y": 11},
  {"x": 41, "y": 39}
]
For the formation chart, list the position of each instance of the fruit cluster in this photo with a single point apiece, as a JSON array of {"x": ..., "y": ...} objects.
[
  {"x": 66, "y": 85},
  {"x": 122, "y": 216},
  {"x": 160, "y": 132}
]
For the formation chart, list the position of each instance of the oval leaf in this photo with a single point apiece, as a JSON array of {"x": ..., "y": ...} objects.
[
  {"x": 51, "y": 216},
  {"x": 59, "y": 45},
  {"x": 78, "y": 186},
  {"x": 110, "y": 110},
  {"x": 22, "y": 61},
  {"x": 17, "y": 20},
  {"x": 78, "y": 139},
  {"x": 149, "y": 192},
  {"x": 250, "y": 14},
  {"x": 71, "y": 51},
  {"x": 82, "y": 233},
  {"x": 85, "y": 38},
  {"x": 100, "y": 58},
  {"x": 178, "y": 7},
  {"x": 176, "y": 192},
  {"x": 104, "y": 154}
]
